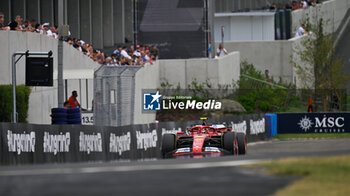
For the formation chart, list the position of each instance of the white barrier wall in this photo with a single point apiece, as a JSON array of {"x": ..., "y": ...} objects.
[
  {"x": 271, "y": 55},
  {"x": 42, "y": 99},
  {"x": 276, "y": 55},
  {"x": 332, "y": 12},
  {"x": 182, "y": 72},
  {"x": 244, "y": 26},
  {"x": 146, "y": 78}
]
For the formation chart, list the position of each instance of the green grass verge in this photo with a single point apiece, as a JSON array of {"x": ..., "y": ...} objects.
[
  {"x": 320, "y": 176},
  {"x": 312, "y": 135}
]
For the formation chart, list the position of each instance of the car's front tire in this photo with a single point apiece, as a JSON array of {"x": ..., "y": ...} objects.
[
  {"x": 230, "y": 142},
  {"x": 242, "y": 143}
]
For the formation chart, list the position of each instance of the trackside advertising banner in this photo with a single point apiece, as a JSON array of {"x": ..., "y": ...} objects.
[
  {"x": 28, "y": 143},
  {"x": 253, "y": 126},
  {"x": 313, "y": 123}
]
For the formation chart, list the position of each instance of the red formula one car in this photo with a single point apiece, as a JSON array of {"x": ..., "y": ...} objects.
[{"x": 204, "y": 141}]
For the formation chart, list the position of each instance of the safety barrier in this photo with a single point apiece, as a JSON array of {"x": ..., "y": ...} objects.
[
  {"x": 313, "y": 123},
  {"x": 29, "y": 143},
  {"x": 271, "y": 125},
  {"x": 299, "y": 123}
]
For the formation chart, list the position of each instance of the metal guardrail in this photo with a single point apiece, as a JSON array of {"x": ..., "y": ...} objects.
[{"x": 263, "y": 81}]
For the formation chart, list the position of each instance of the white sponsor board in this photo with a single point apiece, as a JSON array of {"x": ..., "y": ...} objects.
[
  {"x": 87, "y": 118},
  {"x": 146, "y": 140},
  {"x": 257, "y": 127},
  {"x": 56, "y": 143},
  {"x": 239, "y": 127},
  {"x": 90, "y": 142},
  {"x": 119, "y": 144},
  {"x": 21, "y": 142}
]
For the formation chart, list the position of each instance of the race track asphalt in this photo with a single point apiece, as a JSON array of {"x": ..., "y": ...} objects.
[{"x": 208, "y": 176}]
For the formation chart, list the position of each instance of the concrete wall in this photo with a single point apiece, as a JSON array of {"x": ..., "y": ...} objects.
[
  {"x": 78, "y": 71},
  {"x": 276, "y": 55},
  {"x": 145, "y": 79},
  {"x": 223, "y": 70},
  {"x": 245, "y": 26},
  {"x": 332, "y": 12},
  {"x": 271, "y": 55},
  {"x": 236, "y": 5}
]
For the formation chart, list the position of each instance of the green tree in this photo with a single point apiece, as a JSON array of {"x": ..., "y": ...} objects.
[{"x": 318, "y": 66}]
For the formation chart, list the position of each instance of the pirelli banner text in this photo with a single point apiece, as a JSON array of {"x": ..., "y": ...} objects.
[{"x": 28, "y": 143}]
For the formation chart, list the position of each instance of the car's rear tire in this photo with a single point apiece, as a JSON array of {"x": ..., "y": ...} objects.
[
  {"x": 168, "y": 144},
  {"x": 242, "y": 143},
  {"x": 230, "y": 142}
]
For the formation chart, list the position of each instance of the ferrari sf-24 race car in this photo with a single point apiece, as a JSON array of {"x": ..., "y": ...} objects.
[{"x": 204, "y": 141}]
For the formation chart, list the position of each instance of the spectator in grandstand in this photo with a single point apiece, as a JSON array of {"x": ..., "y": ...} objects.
[
  {"x": 137, "y": 52},
  {"x": 77, "y": 45},
  {"x": 221, "y": 51},
  {"x": 116, "y": 60},
  {"x": 100, "y": 57},
  {"x": 20, "y": 25},
  {"x": 87, "y": 49},
  {"x": 25, "y": 24},
  {"x": 93, "y": 55},
  {"x": 154, "y": 53},
  {"x": 38, "y": 28},
  {"x": 301, "y": 31},
  {"x": 124, "y": 53},
  {"x": 73, "y": 102},
  {"x": 28, "y": 26},
  {"x": 295, "y": 5},
  {"x": 139, "y": 60},
  {"x": 273, "y": 7},
  {"x": 84, "y": 50},
  {"x": 314, "y": 2},
  {"x": 2, "y": 22},
  {"x": 17, "y": 25},
  {"x": 109, "y": 61},
  {"x": 118, "y": 50},
  {"x": 54, "y": 31},
  {"x": 148, "y": 56},
  {"x": 143, "y": 57},
  {"x": 33, "y": 24},
  {"x": 131, "y": 50},
  {"x": 46, "y": 30},
  {"x": 304, "y": 4},
  {"x": 143, "y": 48},
  {"x": 99, "y": 60},
  {"x": 70, "y": 41}
]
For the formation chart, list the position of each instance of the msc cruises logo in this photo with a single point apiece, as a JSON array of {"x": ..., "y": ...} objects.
[
  {"x": 325, "y": 124},
  {"x": 151, "y": 101},
  {"x": 305, "y": 123}
]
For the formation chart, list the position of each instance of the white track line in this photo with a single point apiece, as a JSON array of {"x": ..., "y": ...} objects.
[{"x": 91, "y": 170}]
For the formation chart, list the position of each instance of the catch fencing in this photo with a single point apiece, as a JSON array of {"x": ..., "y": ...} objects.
[{"x": 29, "y": 143}]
